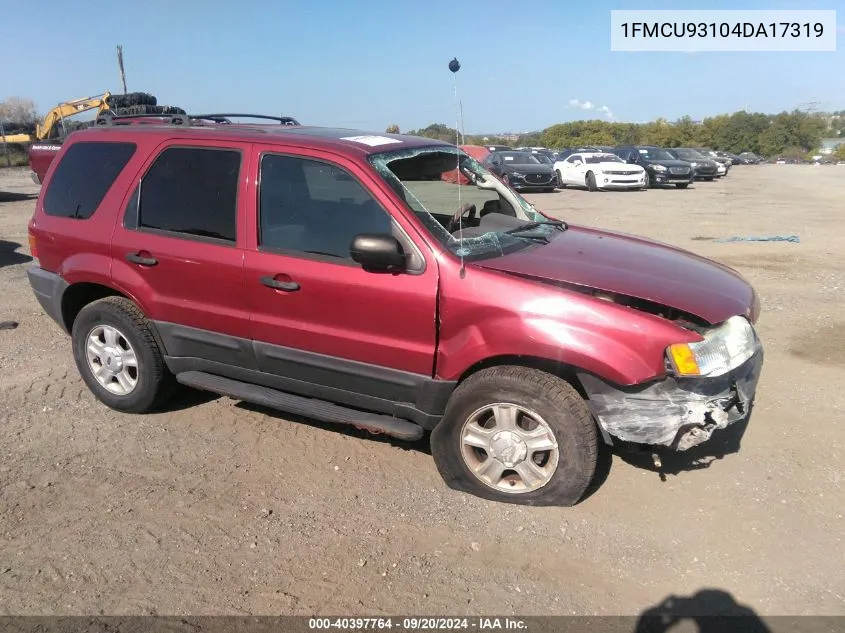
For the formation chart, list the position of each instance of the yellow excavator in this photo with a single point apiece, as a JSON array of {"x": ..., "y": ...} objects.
[
  {"x": 46, "y": 128},
  {"x": 53, "y": 123}
]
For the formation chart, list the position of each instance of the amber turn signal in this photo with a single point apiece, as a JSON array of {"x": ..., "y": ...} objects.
[{"x": 684, "y": 360}]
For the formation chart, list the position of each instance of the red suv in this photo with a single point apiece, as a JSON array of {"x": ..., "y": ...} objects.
[{"x": 337, "y": 275}]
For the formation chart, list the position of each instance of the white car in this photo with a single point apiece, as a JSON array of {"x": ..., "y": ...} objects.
[
  {"x": 599, "y": 170},
  {"x": 721, "y": 170}
]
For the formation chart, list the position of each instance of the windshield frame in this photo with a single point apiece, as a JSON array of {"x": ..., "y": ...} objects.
[{"x": 487, "y": 246}]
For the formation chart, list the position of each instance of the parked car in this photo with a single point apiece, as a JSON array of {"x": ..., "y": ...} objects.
[
  {"x": 595, "y": 171},
  {"x": 499, "y": 148},
  {"x": 522, "y": 171},
  {"x": 703, "y": 167},
  {"x": 332, "y": 274},
  {"x": 750, "y": 158},
  {"x": 715, "y": 156},
  {"x": 660, "y": 166}
]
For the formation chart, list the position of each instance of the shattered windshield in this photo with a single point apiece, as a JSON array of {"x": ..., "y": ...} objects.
[{"x": 463, "y": 205}]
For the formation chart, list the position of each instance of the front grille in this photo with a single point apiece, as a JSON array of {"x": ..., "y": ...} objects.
[
  {"x": 538, "y": 179},
  {"x": 622, "y": 173},
  {"x": 679, "y": 170}
]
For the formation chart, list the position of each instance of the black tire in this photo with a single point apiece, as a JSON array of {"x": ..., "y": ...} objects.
[
  {"x": 682, "y": 185},
  {"x": 560, "y": 183},
  {"x": 131, "y": 99},
  {"x": 555, "y": 400},
  {"x": 591, "y": 182},
  {"x": 154, "y": 381}
]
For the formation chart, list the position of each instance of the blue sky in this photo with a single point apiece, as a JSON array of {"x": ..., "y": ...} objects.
[{"x": 370, "y": 63}]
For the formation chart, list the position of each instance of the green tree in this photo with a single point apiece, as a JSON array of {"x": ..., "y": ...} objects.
[
  {"x": 839, "y": 152},
  {"x": 438, "y": 131},
  {"x": 392, "y": 129}
]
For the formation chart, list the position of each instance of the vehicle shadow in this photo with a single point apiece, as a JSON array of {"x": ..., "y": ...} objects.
[
  {"x": 9, "y": 255},
  {"x": 722, "y": 443},
  {"x": 707, "y": 611},
  {"x": 13, "y": 196}
]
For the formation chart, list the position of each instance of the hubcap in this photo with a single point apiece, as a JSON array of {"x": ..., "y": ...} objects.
[
  {"x": 509, "y": 448},
  {"x": 112, "y": 360}
]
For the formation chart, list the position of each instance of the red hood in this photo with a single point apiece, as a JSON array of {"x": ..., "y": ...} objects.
[{"x": 637, "y": 267}]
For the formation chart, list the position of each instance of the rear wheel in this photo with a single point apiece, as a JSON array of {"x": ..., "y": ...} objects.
[
  {"x": 591, "y": 182},
  {"x": 517, "y": 435},
  {"x": 118, "y": 356}
]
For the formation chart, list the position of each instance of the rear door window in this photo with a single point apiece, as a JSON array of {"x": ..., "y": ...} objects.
[
  {"x": 191, "y": 191},
  {"x": 83, "y": 177}
]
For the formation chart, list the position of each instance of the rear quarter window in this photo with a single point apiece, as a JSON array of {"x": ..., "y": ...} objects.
[{"x": 83, "y": 177}]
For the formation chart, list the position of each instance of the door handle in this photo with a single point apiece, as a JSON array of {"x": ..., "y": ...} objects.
[
  {"x": 137, "y": 258},
  {"x": 286, "y": 286}
]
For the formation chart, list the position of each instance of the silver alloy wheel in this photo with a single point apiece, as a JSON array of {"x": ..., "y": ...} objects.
[
  {"x": 112, "y": 360},
  {"x": 509, "y": 448}
]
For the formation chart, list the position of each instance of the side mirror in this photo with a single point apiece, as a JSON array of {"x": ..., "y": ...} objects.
[{"x": 378, "y": 252}]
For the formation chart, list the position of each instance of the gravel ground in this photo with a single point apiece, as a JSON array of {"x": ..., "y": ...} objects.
[{"x": 217, "y": 507}]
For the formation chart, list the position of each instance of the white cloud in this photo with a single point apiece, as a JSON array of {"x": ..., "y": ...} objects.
[
  {"x": 607, "y": 112},
  {"x": 588, "y": 105}
]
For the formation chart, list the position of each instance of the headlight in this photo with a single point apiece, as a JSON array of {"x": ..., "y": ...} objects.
[
  {"x": 659, "y": 168},
  {"x": 694, "y": 164},
  {"x": 518, "y": 174},
  {"x": 723, "y": 349}
]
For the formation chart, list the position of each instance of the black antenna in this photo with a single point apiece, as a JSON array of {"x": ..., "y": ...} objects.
[{"x": 455, "y": 66}]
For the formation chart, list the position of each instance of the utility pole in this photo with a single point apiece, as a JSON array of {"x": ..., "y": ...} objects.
[{"x": 120, "y": 66}]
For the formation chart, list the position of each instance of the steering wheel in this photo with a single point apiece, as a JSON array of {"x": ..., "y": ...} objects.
[{"x": 467, "y": 209}]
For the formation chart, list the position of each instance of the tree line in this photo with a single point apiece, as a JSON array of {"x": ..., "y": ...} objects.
[{"x": 787, "y": 134}]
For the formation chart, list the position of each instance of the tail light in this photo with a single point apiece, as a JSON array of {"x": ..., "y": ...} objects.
[{"x": 33, "y": 248}]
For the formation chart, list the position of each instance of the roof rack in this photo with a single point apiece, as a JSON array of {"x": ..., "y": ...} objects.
[
  {"x": 226, "y": 118},
  {"x": 108, "y": 118}
]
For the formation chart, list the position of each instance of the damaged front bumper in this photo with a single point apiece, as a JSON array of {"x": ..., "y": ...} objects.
[{"x": 678, "y": 413}]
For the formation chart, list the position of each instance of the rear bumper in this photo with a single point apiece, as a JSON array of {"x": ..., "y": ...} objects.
[
  {"x": 49, "y": 289},
  {"x": 676, "y": 413}
]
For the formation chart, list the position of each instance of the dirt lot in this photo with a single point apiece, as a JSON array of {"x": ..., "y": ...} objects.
[{"x": 216, "y": 507}]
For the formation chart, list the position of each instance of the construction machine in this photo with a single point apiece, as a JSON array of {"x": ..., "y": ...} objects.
[{"x": 53, "y": 125}]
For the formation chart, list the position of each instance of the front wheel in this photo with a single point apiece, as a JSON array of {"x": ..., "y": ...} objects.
[
  {"x": 646, "y": 181},
  {"x": 517, "y": 435},
  {"x": 591, "y": 181},
  {"x": 560, "y": 183}
]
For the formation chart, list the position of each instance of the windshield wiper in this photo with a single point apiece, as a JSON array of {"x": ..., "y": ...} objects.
[{"x": 558, "y": 224}]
